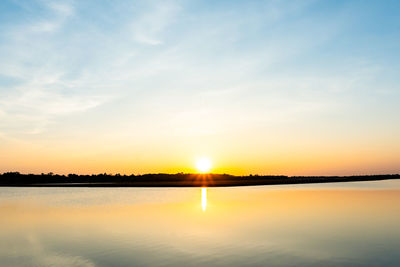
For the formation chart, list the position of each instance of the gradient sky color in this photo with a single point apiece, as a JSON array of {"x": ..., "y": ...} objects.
[{"x": 268, "y": 87}]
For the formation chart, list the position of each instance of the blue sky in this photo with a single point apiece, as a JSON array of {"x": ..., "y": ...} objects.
[{"x": 161, "y": 81}]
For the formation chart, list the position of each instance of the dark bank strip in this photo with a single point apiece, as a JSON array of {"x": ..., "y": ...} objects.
[{"x": 172, "y": 180}]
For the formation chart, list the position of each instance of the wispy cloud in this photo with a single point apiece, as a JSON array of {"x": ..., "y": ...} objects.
[
  {"x": 37, "y": 62},
  {"x": 56, "y": 14},
  {"x": 148, "y": 27}
]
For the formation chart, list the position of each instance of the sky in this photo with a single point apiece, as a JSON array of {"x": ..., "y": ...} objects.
[{"x": 258, "y": 87}]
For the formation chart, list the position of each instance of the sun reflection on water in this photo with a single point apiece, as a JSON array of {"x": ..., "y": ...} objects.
[{"x": 204, "y": 198}]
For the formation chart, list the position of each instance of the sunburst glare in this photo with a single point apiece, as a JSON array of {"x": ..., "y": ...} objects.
[{"x": 203, "y": 165}]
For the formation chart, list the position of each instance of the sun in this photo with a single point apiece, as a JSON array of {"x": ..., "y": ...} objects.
[{"x": 203, "y": 165}]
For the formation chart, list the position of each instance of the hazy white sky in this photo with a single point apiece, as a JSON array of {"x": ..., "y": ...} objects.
[{"x": 281, "y": 87}]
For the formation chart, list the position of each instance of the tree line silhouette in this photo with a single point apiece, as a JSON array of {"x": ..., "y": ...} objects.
[{"x": 179, "y": 179}]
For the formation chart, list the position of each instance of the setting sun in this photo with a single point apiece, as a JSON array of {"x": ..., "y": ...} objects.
[{"x": 203, "y": 165}]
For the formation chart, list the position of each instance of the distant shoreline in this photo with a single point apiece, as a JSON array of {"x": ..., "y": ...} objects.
[{"x": 15, "y": 179}]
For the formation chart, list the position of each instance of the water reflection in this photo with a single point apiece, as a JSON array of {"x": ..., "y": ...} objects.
[
  {"x": 242, "y": 226},
  {"x": 204, "y": 198}
]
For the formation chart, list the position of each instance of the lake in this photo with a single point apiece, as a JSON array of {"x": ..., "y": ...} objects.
[{"x": 346, "y": 224}]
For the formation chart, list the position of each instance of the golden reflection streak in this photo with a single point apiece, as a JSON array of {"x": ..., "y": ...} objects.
[{"x": 204, "y": 198}]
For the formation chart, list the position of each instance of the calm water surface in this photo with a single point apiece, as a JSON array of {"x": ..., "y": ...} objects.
[{"x": 348, "y": 224}]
